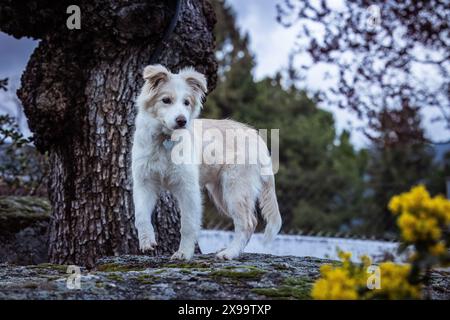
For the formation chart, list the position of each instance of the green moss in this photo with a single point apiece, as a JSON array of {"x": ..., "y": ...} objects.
[
  {"x": 296, "y": 288},
  {"x": 159, "y": 271},
  {"x": 146, "y": 279},
  {"x": 189, "y": 265},
  {"x": 99, "y": 284},
  {"x": 298, "y": 281},
  {"x": 185, "y": 271},
  {"x": 243, "y": 272},
  {"x": 115, "y": 277},
  {"x": 19, "y": 212},
  {"x": 57, "y": 267},
  {"x": 247, "y": 267},
  {"x": 24, "y": 206},
  {"x": 114, "y": 267}
]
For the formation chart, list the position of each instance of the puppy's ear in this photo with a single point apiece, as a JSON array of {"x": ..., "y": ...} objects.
[
  {"x": 155, "y": 75},
  {"x": 196, "y": 80}
]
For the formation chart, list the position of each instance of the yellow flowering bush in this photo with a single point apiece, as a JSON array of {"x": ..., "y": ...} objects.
[
  {"x": 421, "y": 218},
  {"x": 424, "y": 224},
  {"x": 395, "y": 283},
  {"x": 339, "y": 283},
  {"x": 350, "y": 281}
]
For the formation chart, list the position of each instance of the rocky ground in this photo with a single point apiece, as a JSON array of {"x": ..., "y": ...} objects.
[
  {"x": 23, "y": 229},
  {"x": 25, "y": 275},
  {"x": 254, "y": 276}
]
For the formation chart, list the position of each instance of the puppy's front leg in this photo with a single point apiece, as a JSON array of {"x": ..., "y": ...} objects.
[
  {"x": 188, "y": 196},
  {"x": 144, "y": 197}
]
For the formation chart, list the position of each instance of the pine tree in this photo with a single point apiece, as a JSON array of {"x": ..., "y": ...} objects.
[
  {"x": 400, "y": 158},
  {"x": 319, "y": 181},
  {"x": 235, "y": 64}
]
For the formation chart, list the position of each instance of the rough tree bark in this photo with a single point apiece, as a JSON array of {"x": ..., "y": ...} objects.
[{"x": 78, "y": 91}]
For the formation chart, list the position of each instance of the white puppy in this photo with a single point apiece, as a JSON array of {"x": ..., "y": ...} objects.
[{"x": 169, "y": 103}]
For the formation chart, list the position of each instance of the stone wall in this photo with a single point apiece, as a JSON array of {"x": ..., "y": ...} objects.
[{"x": 23, "y": 230}]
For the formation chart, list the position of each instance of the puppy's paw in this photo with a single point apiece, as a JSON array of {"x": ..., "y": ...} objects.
[
  {"x": 182, "y": 255},
  {"x": 227, "y": 254},
  {"x": 147, "y": 243}
]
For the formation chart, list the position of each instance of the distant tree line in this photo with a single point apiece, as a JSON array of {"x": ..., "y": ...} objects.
[{"x": 23, "y": 170}]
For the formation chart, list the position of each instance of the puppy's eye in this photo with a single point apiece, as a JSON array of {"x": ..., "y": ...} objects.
[
  {"x": 186, "y": 102},
  {"x": 167, "y": 100}
]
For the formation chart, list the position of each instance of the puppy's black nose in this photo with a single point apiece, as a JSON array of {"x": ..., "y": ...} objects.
[{"x": 181, "y": 121}]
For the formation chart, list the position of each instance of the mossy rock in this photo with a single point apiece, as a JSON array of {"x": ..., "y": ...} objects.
[
  {"x": 253, "y": 277},
  {"x": 280, "y": 266},
  {"x": 51, "y": 266},
  {"x": 241, "y": 272},
  {"x": 30, "y": 285},
  {"x": 146, "y": 279},
  {"x": 290, "y": 288},
  {"x": 115, "y": 267},
  {"x": 17, "y": 213},
  {"x": 115, "y": 277},
  {"x": 189, "y": 265},
  {"x": 159, "y": 271}
]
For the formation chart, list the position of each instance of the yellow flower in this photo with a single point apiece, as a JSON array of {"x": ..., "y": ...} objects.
[
  {"x": 422, "y": 221},
  {"x": 417, "y": 196},
  {"x": 407, "y": 224},
  {"x": 366, "y": 260},
  {"x": 324, "y": 269},
  {"x": 344, "y": 255},
  {"x": 335, "y": 284},
  {"x": 395, "y": 284},
  {"x": 421, "y": 217},
  {"x": 440, "y": 207},
  {"x": 395, "y": 204},
  {"x": 438, "y": 249},
  {"x": 349, "y": 281}
]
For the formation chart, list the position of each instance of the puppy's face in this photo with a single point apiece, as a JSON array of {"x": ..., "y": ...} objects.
[{"x": 173, "y": 99}]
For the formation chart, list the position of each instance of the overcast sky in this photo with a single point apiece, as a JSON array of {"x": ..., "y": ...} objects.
[
  {"x": 269, "y": 41},
  {"x": 272, "y": 44}
]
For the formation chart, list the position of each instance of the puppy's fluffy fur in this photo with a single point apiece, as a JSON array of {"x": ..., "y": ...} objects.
[{"x": 234, "y": 188}]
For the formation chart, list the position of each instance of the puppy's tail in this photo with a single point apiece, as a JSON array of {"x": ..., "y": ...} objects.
[{"x": 269, "y": 209}]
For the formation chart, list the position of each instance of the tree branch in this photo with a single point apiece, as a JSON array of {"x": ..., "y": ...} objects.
[{"x": 40, "y": 18}]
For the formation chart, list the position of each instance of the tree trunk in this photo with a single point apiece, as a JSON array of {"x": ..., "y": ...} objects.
[{"x": 78, "y": 93}]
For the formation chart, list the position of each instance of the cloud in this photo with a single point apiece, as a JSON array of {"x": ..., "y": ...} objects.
[
  {"x": 271, "y": 43},
  {"x": 14, "y": 55}
]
